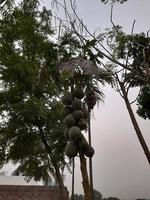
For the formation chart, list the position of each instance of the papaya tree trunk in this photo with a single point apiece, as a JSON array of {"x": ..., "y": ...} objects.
[
  {"x": 72, "y": 195},
  {"x": 90, "y": 159},
  {"x": 85, "y": 180},
  {"x": 135, "y": 124}
]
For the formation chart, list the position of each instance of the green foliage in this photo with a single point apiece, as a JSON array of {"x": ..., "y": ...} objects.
[
  {"x": 143, "y": 103},
  {"x": 111, "y": 198},
  {"x": 77, "y": 197},
  {"x": 97, "y": 196},
  {"x": 6, "y": 5},
  {"x": 113, "y": 1},
  {"x": 69, "y": 46},
  {"x": 84, "y": 65},
  {"x": 130, "y": 49},
  {"x": 31, "y": 132}
]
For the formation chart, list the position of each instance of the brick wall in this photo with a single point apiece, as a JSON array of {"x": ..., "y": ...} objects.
[{"x": 15, "y": 192}]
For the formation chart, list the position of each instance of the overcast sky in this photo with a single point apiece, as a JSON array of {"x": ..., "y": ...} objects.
[{"x": 119, "y": 164}]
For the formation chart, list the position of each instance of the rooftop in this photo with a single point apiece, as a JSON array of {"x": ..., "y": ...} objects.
[{"x": 17, "y": 180}]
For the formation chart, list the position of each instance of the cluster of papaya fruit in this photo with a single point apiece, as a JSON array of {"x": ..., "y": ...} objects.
[{"x": 75, "y": 119}]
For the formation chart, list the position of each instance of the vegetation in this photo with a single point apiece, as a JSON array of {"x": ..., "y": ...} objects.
[
  {"x": 134, "y": 51},
  {"x": 31, "y": 131},
  {"x": 124, "y": 60},
  {"x": 32, "y": 84},
  {"x": 113, "y": 1},
  {"x": 96, "y": 196}
]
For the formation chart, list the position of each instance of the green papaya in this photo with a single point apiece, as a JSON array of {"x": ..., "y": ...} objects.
[
  {"x": 66, "y": 133},
  {"x": 71, "y": 149},
  {"x": 76, "y": 104},
  {"x": 83, "y": 144},
  {"x": 89, "y": 151},
  {"x": 82, "y": 124},
  {"x": 67, "y": 110},
  {"x": 69, "y": 120},
  {"x": 78, "y": 114},
  {"x": 75, "y": 133},
  {"x": 67, "y": 99},
  {"x": 78, "y": 93}
]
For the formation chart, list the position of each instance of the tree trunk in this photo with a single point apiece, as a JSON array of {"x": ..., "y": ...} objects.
[
  {"x": 90, "y": 159},
  {"x": 72, "y": 195},
  {"x": 85, "y": 182},
  {"x": 60, "y": 182},
  {"x": 58, "y": 174},
  {"x": 135, "y": 124}
]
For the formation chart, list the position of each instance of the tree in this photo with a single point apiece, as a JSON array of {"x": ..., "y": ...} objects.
[
  {"x": 136, "y": 46},
  {"x": 96, "y": 48},
  {"x": 83, "y": 75},
  {"x": 113, "y": 1},
  {"x": 111, "y": 198},
  {"x": 78, "y": 197},
  {"x": 143, "y": 103},
  {"x": 31, "y": 134},
  {"x": 97, "y": 196},
  {"x": 31, "y": 131},
  {"x": 129, "y": 49}
]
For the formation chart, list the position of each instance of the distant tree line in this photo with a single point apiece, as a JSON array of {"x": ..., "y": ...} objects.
[{"x": 98, "y": 196}]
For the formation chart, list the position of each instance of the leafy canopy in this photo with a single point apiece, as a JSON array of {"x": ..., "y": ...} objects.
[
  {"x": 31, "y": 132},
  {"x": 113, "y": 1}
]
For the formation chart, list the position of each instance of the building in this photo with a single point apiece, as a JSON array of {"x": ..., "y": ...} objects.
[{"x": 16, "y": 188}]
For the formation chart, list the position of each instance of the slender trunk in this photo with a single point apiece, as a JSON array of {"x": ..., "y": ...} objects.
[
  {"x": 58, "y": 174},
  {"x": 85, "y": 182},
  {"x": 135, "y": 124},
  {"x": 72, "y": 196},
  {"x": 90, "y": 159},
  {"x": 60, "y": 182}
]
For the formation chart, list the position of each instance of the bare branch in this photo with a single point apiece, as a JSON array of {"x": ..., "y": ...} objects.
[
  {"x": 73, "y": 28},
  {"x": 130, "y": 41},
  {"x": 119, "y": 83},
  {"x": 111, "y": 17},
  {"x": 136, "y": 97}
]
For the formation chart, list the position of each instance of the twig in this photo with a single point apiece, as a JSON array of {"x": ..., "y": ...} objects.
[{"x": 136, "y": 97}]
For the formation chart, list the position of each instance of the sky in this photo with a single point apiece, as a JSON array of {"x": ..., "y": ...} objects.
[{"x": 120, "y": 168}]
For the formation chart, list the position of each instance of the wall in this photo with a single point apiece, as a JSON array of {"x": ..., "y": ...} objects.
[{"x": 14, "y": 192}]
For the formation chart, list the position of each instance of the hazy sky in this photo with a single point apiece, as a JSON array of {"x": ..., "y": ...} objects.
[{"x": 119, "y": 164}]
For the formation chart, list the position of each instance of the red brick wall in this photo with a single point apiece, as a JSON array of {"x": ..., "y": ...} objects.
[{"x": 14, "y": 192}]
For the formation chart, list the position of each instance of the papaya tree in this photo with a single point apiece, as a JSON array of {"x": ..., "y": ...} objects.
[
  {"x": 81, "y": 94},
  {"x": 79, "y": 100}
]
